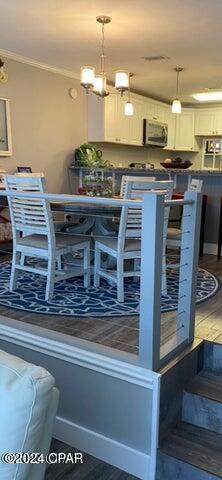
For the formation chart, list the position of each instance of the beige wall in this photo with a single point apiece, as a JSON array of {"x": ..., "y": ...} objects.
[{"x": 46, "y": 123}]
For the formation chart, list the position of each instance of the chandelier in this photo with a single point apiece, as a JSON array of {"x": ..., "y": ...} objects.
[{"x": 96, "y": 83}]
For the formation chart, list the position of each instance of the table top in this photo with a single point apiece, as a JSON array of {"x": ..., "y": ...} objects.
[{"x": 84, "y": 209}]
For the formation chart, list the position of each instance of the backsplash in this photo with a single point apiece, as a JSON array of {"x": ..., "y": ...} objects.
[{"x": 123, "y": 155}]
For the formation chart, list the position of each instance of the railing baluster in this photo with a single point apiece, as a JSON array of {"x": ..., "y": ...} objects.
[
  {"x": 189, "y": 260},
  {"x": 151, "y": 277}
]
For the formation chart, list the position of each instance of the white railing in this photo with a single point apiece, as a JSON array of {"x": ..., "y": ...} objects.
[{"x": 151, "y": 353}]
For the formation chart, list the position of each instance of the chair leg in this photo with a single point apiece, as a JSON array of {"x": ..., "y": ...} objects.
[
  {"x": 50, "y": 279},
  {"x": 22, "y": 259},
  {"x": 14, "y": 272},
  {"x": 202, "y": 225},
  {"x": 164, "y": 279},
  {"x": 86, "y": 266},
  {"x": 120, "y": 280},
  {"x": 97, "y": 265},
  {"x": 136, "y": 267},
  {"x": 59, "y": 263}
]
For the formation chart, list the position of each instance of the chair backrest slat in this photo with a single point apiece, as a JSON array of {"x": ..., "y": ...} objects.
[
  {"x": 132, "y": 178},
  {"x": 131, "y": 218},
  {"x": 29, "y": 215},
  {"x": 195, "y": 185}
]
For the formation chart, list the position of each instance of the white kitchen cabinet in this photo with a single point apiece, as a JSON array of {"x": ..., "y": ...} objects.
[
  {"x": 155, "y": 111},
  {"x": 208, "y": 121},
  {"x": 107, "y": 122},
  {"x": 171, "y": 122},
  {"x": 185, "y": 139},
  {"x": 136, "y": 122},
  {"x": 218, "y": 122},
  {"x": 181, "y": 131}
]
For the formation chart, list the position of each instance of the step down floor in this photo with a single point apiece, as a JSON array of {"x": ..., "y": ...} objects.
[
  {"x": 195, "y": 446},
  {"x": 208, "y": 385}
]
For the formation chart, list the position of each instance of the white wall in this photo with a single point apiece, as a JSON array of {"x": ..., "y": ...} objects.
[{"x": 46, "y": 123}]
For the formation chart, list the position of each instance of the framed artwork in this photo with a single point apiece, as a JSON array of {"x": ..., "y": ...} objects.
[
  {"x": 24, "y": 169},
  {"x": 5, "y": 128}
]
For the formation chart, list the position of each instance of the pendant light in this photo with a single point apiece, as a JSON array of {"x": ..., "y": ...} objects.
[
  {"x": 128, "y": 107},
  {"x": 176, "y": 105},
  {"x": 122, "y": 81},
  {"x": 87, "y": 77},
  {"x": 96, "y": 83}
]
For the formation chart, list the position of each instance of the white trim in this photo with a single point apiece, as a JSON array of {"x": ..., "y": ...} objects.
[
  {"x": 79, "y": 355},
  {"x": 36, "y": 63},
  {"x": 210, "y": 248},
  {"x": 102, "y": 447},
  {"x": 124, "y": 457}
]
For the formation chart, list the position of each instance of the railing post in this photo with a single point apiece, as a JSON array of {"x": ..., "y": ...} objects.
[
  {"x": 151, "y": 277},
  {"x": 189, "y": 265}
]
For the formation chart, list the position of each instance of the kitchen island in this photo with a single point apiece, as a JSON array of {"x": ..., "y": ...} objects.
[{"x": 212, "y": 187}]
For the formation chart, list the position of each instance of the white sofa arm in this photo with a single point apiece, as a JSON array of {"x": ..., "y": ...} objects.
[{"x": 28, "y": 403}]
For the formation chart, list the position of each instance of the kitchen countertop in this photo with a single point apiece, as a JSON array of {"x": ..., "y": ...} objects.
[{"x": 165, "y": 171}]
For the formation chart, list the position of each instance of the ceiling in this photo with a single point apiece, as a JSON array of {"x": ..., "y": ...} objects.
[{"x": 64, "y": 33}]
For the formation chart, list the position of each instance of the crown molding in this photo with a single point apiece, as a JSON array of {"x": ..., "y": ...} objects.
[{"x": 35, "y": 63}]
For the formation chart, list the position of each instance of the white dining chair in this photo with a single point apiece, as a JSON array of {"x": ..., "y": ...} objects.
[
  {"x": 173, "y": 233},
  {"x": 133, "y": 178},
  {"x": 128, "y": 243},
  {"x": 34, "y": 236}
]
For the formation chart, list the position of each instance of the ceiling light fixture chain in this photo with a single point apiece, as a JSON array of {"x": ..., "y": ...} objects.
[
  {"x": 128, "y": 107},
  {"x": 103, "y": 50}
]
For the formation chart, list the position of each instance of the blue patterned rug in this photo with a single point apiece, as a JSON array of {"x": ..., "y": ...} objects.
[{"x": 72, "y": 299}]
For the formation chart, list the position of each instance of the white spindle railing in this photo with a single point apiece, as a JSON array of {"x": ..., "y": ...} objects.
[{"x": 151, "y": 354}]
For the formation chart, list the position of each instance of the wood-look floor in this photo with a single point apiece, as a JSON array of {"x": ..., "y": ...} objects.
[
  {"x": 90, "y": 469},
  {"x": 121, "y": 333}
]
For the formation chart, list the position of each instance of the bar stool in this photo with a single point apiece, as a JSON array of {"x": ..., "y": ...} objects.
[
  {"x": 220, "y": 232},
  {"x": 180, "y": 196}
]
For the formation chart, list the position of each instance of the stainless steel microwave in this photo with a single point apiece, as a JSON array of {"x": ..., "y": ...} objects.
[{"x": 154, "y": 133}]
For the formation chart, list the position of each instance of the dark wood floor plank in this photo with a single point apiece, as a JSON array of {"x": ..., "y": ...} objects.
[
  {"x": 90, "y": 469},
  {"x": 196, "y": 446},
  {"x": 208, "y": 385}
]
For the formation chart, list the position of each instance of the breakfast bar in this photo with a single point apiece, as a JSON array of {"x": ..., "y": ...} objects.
[{"x": 212, "y": 188}]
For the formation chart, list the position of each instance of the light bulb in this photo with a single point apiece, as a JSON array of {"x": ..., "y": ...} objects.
[
  {"x": 122, "y": 81},
  {"x": 87, "y": 76},
  {"x": 176, "y": 106},
  {"x": 99, "y": 85},
  {"x": 128, "y": 109}
]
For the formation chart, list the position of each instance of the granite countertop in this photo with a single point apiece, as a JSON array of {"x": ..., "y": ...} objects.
[{"x": 165, "y": 171}]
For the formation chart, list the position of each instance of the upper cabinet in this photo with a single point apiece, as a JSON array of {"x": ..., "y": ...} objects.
[
  {"x": 156, "y": 111},
  {"x": 107, "y": 122},
  {"x": 208, "y": 121},
  {"x": 181, "y": 131}
]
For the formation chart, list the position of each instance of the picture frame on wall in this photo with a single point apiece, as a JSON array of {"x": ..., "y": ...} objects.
[{"x": 5, "y": 128}]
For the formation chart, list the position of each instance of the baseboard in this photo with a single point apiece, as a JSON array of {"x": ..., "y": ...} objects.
[
  {"x": 210, "y": 248},
  {"x": 106, "y": 449}
]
